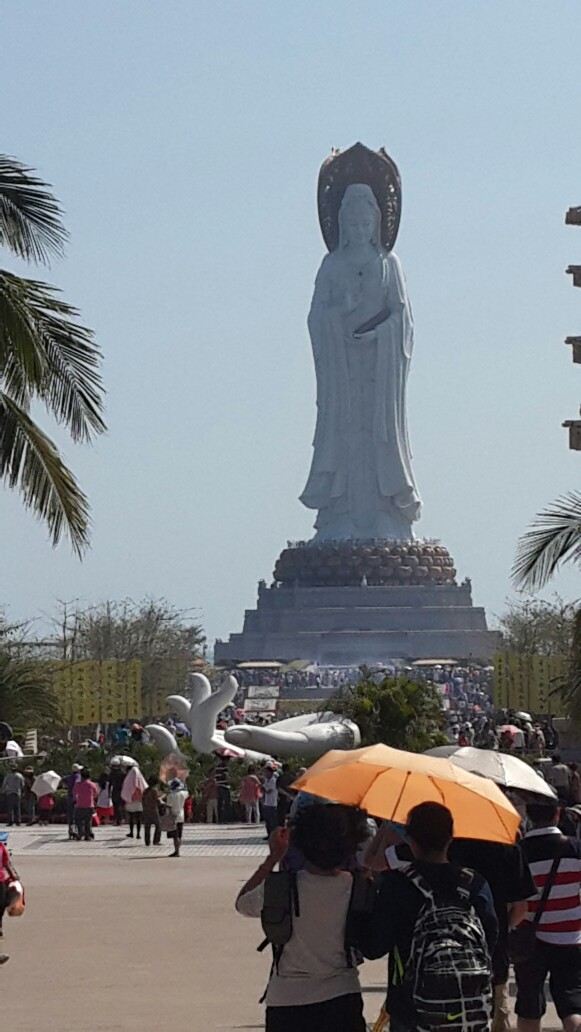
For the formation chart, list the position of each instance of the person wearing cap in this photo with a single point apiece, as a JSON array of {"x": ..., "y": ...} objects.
[
  {"x": 176, "y": 802},
  {"x": 70, "y": 781},
  {"x": 85, "y": 797}
]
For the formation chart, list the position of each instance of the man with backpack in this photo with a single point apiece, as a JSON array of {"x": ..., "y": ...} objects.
[
  {"x": 510, "y": 883},
  {"x": 313, "y": 985},
  {"x": 438, "y": 924}
]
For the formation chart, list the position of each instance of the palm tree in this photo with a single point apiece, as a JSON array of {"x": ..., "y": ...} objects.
[
  {"x": 26, "y": 694},
  {"x": 554, "y": 538},
  {"x": 45, "y": 356}
]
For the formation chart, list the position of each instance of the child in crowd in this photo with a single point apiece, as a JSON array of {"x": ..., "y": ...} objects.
[
  {"x": 175, "y": 802},
  {"x": 104, "y": 801},
  {"x": 45, "y": 807}
]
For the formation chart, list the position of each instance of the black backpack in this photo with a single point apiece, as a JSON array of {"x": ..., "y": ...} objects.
[{"x": 449, "y": 971}]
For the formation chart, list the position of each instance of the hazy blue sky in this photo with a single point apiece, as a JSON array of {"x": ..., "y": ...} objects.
[{"x": 184, "y": 139}]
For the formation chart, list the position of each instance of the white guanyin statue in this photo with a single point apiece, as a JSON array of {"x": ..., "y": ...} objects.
[{"x": 361, "y": 480}]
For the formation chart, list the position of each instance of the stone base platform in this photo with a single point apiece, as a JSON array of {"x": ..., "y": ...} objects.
[{"x": 350, "y": 625}]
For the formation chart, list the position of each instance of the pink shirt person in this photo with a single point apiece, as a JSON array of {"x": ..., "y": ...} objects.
[{"x": 85, "y": 794}]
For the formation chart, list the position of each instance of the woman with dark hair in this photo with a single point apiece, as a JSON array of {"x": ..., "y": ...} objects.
[{"x": 314, "y": 985}]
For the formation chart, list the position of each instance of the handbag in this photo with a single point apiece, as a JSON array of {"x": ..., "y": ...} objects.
[
  {"x": 167, "y": 822},
  {"x": 15, "y": 899},
  {"x": 522, "y": 940}
]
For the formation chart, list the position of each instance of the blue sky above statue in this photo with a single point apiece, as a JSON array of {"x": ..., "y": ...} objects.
[{"x": 184, "y": 143}]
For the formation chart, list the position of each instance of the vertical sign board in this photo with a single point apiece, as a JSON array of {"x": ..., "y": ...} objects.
[
  {"x": 98, "y": 691},
  {"x": 530, "y": 683}
]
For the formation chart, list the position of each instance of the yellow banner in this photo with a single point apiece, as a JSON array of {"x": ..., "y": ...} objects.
[
  {"x": 530, "y": 683},
  {"x": 93, "y": 691}
]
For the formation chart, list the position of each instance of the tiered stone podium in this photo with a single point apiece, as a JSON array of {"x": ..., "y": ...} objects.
[{"x": 359, "y": 610}]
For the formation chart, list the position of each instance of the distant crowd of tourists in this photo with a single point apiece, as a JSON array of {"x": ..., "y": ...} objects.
[{"x": 121, "y": 793}]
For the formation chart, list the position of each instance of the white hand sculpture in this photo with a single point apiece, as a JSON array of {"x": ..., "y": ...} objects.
[{"x": 200, "y": 716}]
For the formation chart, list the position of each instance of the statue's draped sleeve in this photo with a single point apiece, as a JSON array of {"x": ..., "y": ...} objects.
[
  {"x": 328, "y": 343},
  {"x": 395, "y": 344}
]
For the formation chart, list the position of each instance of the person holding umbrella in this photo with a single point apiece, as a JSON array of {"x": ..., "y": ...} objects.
[
  {"x": 508, "y": 877},
  {"x": 134, "y": 785},
  {"x": 433, "y": 917},
  {"x": 44, "y": 787},
  {"x": 116, "y": 779}
]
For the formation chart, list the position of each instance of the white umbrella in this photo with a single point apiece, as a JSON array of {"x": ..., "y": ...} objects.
[
  {"x": 13, "y": 750},
  {"x": 442, "y": 750},
  {"x": 508, "y": 771},
  {"x": 46, "y": 783}
]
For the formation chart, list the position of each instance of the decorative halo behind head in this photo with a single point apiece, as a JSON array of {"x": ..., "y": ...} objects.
[{"x": 359, "y": 165}]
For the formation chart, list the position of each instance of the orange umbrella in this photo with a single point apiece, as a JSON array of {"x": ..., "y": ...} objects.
[{"x": 389, "y": 782}]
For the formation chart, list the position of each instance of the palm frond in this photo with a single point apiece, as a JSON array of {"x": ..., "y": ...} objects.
[
  {"x": 20, "y": 351},
  {"x": 45, "y": 353},
  {"x": 554, "y": 538},
  {"x": 30, "y": 463},
  {"x": 30, "y": 217},
  {"x": 26, "y": 693}
]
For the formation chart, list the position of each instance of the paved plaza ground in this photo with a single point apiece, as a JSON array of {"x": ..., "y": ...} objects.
[{"x": 118, "y": 938}]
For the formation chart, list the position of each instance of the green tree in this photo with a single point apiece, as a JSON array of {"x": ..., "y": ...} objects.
[
  {"x": 26, "y": 696},
  {"x": 537, "y": 627},
  {"x": 46, "y": 356},
  {"x": 397, "y": 711},
  {"x": 164, "y": 638},
  {"x": 148, "y": 629},
  {"x": 553, "y": 540}
]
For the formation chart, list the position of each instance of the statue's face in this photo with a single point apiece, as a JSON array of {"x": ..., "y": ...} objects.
[{"x": 359, "y": 223}]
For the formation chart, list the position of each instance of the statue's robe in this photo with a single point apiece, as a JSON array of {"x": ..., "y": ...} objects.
[{"x": 361, "y": 479}]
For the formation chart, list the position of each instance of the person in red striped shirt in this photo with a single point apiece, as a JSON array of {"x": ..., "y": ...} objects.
[{"x": 558, "y": 936}]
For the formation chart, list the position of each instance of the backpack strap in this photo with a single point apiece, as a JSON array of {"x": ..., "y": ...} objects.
[
  {"x": 464, "y": 887},
  {"x": 547, "y": 890},
  {"x": 417, "y": 879},
  {"x": 465, "y": 883}
]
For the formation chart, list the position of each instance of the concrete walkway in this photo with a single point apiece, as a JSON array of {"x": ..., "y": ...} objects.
[{"x": 115, "y": 939}]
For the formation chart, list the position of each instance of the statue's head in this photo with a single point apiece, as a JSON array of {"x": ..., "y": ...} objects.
[{"x": 359, "y": 216}]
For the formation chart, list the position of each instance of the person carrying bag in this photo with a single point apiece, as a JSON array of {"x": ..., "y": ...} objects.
[
  {"x": 549, "y": 943},
  {"x": 522, "y": 940}
]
